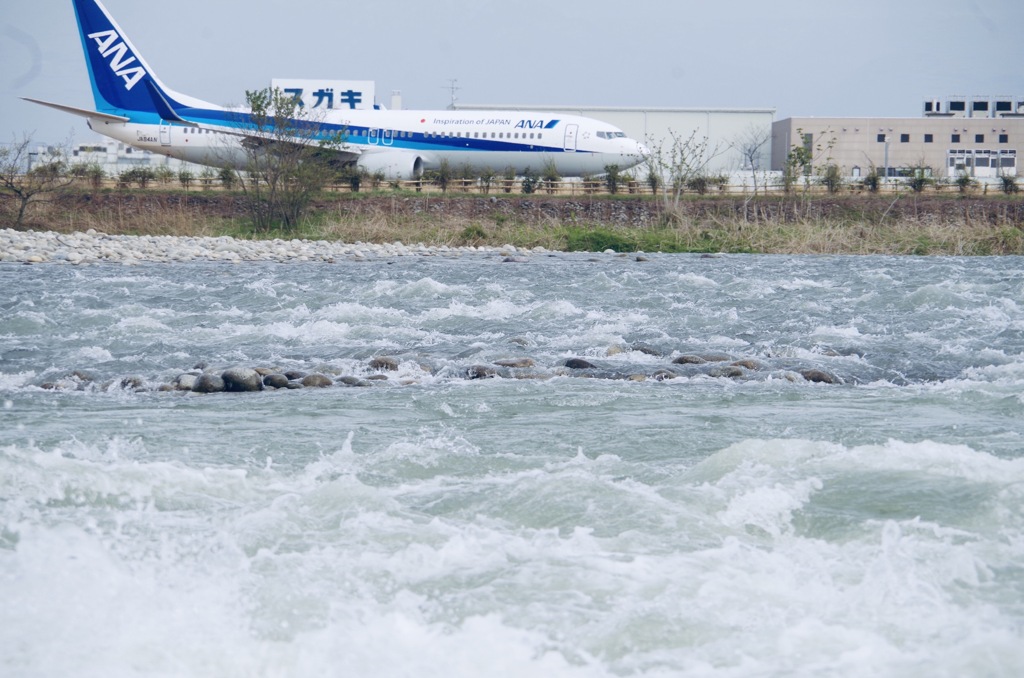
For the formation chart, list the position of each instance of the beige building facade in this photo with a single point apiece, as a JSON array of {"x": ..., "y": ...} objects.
[{"x": 983, "y": 139}]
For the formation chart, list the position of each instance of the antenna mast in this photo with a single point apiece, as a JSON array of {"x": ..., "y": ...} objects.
[{"x": 452, "y": 88}]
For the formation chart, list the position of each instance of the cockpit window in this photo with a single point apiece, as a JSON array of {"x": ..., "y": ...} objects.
[{"x": 611, "y": 135}]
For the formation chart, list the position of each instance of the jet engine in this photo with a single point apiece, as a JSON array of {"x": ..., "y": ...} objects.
[{"x": 394, "y": 164}]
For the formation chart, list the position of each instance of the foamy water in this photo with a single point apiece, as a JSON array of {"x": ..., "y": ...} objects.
[{"x": 604, "y": 522}]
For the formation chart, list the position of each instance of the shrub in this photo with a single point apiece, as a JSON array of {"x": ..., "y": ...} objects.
[
  {"x": 965, "y": 182},
  {"x": 831, "y": 178},
  {"x": 612, "y": 177},
  {"x": 550, "y": 176},
  {"x": 91, "y": 172},
  {"x": 227, "y": 178},
  {"x": 653, "y": 181},
  {"x": 140, "y": 176},
  {"x": 206, "y": 177},
  {"x": 164, "y": 174},
  {"x": 443, "y": 175},
  {"x": 873, "y": 181},
  {"x": 701, "y": 184},
  {"x": 918, "y": 181},
  {"x": 529, "y": 181}
]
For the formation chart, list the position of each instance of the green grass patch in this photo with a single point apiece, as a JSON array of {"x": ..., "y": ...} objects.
[{"x": 580, "y": 239}]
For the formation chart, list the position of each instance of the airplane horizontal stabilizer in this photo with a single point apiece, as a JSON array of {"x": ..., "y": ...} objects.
[{"x": 83, "y": 112}]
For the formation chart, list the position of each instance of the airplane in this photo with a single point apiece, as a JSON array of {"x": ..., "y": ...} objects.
[{"x": 133, "y": 106}]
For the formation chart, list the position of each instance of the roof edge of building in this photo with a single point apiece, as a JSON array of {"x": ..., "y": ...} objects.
[{"x": 623, "y": 109}]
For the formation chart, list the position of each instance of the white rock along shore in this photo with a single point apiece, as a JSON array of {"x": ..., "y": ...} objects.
[{"x": 93, "y": 247}]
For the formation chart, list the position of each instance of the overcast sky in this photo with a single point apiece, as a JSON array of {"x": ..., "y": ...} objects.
[{"x": 853, "y": 58}]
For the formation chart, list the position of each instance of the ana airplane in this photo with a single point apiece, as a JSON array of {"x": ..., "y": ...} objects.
[{"x": 134, "y": 107}]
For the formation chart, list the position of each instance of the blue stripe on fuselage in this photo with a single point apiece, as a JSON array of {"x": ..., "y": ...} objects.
[{"x": 360, "y": 135}]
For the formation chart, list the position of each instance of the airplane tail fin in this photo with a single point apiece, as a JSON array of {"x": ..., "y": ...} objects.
[{"x": 122, "y": 81}]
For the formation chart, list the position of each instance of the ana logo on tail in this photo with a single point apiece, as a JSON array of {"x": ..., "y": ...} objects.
[{"x": 109, "y": 44}]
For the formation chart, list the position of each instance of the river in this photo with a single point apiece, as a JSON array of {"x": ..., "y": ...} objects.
[{"x": 640, "y": 517}]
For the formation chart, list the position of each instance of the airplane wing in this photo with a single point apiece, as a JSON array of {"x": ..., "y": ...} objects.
[{"x": 344, "y": 154}]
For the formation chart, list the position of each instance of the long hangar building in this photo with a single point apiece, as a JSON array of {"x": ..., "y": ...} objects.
[
  {"x": 726, "y": 129},
  {"x": 982, "y": 136}
]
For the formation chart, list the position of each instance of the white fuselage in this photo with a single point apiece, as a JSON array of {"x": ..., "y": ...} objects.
[{"x": 491, "y": 140}]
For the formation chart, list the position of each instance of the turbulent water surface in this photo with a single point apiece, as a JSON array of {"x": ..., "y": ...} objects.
[{"x": 640, "y": 517}]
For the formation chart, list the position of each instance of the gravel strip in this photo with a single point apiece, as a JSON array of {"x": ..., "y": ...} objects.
[{"x": 93, "y": 247}]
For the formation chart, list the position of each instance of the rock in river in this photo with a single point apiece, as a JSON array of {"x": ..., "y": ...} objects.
[
  {"x": 238, "y": 379},
  {"x": 819, "y": 376},
  {"x": 317, "y": 381},
  {"x": 275, "y": 381},
  {"x": 208, "y": 382}
]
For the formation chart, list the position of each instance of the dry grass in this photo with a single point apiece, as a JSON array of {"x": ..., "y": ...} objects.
[
  {"x": 383, "y": 226},
  {"x": 122, "y": 220},
  {"x": 776, "y": 227}
]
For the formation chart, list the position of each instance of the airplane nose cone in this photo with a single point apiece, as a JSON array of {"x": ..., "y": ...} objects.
[{"x": 635, "y": 153}]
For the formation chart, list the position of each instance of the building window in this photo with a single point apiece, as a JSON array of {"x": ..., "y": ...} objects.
[
  {"x": 928, "y": 138},
  {"x": 979, "y": 138},
  {"x": 954, "y": 139},
  {"x": 881, "y": 138},
  {"x": 957, "y": 106},
  {"x": 1004, "y": 138},
  {"x": 979, "y": 106},
  {"x": 904, "y": 138}
]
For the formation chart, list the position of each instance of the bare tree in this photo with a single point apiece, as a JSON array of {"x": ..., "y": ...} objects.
[
  {"x": 751, "y": 144},
  {"x": 813, "y": 156},
  {"x": 679, "y": 161},
  {"x": 288, "y": 159},
  {"x": 25, "y": 177}
]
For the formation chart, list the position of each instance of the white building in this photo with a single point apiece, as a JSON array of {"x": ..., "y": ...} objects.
[{"x": 115, "y": 157}]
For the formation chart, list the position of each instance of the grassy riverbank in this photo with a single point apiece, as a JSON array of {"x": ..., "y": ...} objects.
[{"x": 795, "y": 224}]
